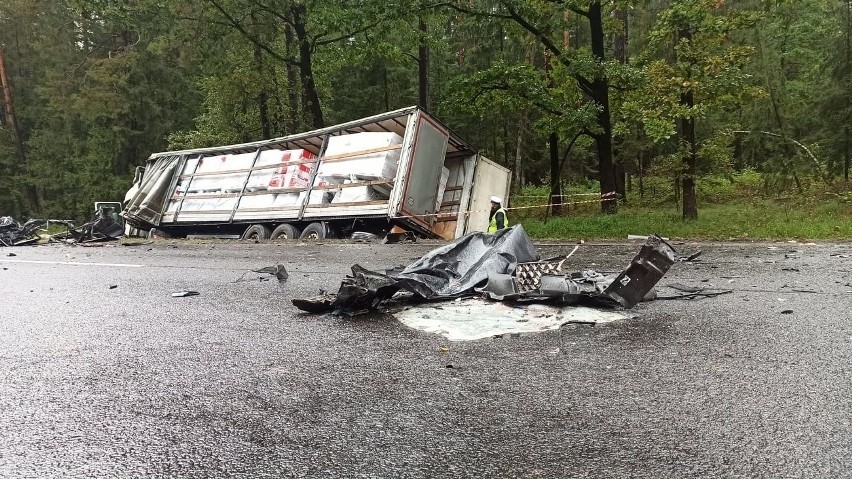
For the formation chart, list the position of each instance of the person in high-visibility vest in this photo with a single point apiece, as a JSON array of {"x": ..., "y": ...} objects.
[{"x": 498, "y": 218}]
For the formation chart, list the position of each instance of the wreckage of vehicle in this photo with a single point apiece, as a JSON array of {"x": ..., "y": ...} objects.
[
  {"x": 102, "y": 227},
  {"x": 13, "y": 233},
  {"x": 504, "y": 266}
]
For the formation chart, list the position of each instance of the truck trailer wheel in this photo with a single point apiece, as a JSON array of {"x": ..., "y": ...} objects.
[
  {"x": 256, "y": 232},
  {"x": 315, "y": 231},
  {"x": 285, "y": 231}
]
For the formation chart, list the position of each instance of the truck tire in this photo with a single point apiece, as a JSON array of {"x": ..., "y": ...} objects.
[
  {"x": 256, "y": 232},
  {"x": 315, "y": 231},
  {"x": 285, "y": 231}
]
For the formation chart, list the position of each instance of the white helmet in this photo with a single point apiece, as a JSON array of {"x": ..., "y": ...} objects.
[{"x": 497, "y": 199}]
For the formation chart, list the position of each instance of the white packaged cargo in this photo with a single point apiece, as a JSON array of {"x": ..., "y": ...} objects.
[
  {"x": 286, "y": 199},
  {"x": 227, "y": 182},
  {"x": 256, "y": 201},
  {"x": 381, "y": 164},
  {"x": 261, "y": 179},
  {"x": 194, "y": 204},
  {"x": 356, "y": 194},
  {"x": 291, "y": 176}
]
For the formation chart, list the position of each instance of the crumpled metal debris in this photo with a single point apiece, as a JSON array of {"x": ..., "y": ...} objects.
[
  {"x": 101, "y": 228},
  {"x": 647, "y": 268},
  {"x": 693, "y": 292},
  {"x": 489, "y": 264},
  {"x": 185, "y": 293},
  {"x": 14, "y": 234},
  {"x": 278, "y": 271}
]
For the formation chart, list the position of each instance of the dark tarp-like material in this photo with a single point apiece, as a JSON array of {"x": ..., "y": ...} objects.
[
  {"x": 457, "y": 268},
  {"x": 451, "y": 271},
  {"x": 485, "y": 263}
]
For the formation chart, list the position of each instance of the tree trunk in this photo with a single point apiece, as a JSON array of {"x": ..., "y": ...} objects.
[
  {"x": 9, "y": 109},
  {"x": 292, "y": 81},
  {"x": 687, "y": 132},
  {"x": 690, "y": 202},
  {"x": 262, "y": 98},
  {"x": 600, "y": 91},
  {"x": 518, "y": 173},
  {"x": 619, "y": 42},
  {"x": 846, "y": 155},
  {"x": 423, "y": 68},
  {"x": 306, "y": 66},
  {"x": 555, "y": 177},
  {"x": 385, "y": 87},
  {"x": 846, "y": 140}
]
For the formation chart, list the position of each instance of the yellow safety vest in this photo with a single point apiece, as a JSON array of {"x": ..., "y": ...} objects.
[{"x": 492, "y": 228}]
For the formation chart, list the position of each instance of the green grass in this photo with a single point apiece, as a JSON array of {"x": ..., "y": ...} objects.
[{"x": 740, "y": 220}]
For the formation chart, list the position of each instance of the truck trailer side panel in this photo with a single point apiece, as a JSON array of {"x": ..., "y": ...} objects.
[{"x": 399, "y": 168}]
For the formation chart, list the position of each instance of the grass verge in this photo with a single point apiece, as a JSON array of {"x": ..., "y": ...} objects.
[{"x": 757, "y": 219}]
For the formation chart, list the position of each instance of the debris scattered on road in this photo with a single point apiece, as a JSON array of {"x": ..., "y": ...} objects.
[
  {"x": 787, "y": 311},
  {"x": 113, "y": 286},
  {"x": 182, "y": 294},
  {"x": 321, "y": 303},
  {"x": 363, "y": 237},
  {"x": 503, "y": 266},
  {"x": 11, "y": 254},
  {"x": 101, "y": 228},
  {"x": 401, "y": 237},
  {"x": 136, "y": 243},
  {"x": 647, "y": 268},
  {"x": 690, "y": 258},
  {"x": 14, "y": 234},
  {"x": 278, "y": 271},
  {"x": 694, "y": 293}
]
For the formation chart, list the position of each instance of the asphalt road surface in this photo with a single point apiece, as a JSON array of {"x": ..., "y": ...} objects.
[{"x": 105, "y": 374}]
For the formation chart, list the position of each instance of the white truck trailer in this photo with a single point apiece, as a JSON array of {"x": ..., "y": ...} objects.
[{"x": 401, "y": 170}]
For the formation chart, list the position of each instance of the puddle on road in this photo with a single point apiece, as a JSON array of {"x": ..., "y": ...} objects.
[{"x": 477, "y": 319}]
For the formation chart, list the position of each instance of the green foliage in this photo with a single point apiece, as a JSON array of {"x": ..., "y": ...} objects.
[{"x": 98, "y": 86}]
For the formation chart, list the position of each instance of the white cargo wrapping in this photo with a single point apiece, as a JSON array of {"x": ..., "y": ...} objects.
[
  {"x": 227, "y": 182},
  {"x": 256, "y": 201},
  {"x": 355, "y": 194},
  {"x": 283, "y": 200},
  {"x": 381, "y": 164},
  {"x": 204, "y": 204},
  {"x": 291, "y": 176}
]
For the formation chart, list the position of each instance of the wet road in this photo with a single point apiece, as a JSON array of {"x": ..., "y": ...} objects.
[{"x": 104, "y": 374}]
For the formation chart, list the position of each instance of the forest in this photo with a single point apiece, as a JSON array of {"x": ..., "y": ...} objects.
[{"x": 666, "y": 102}]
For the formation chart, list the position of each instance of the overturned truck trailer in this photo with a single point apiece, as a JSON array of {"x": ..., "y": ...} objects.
[{"x": 401, "y": 169}]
